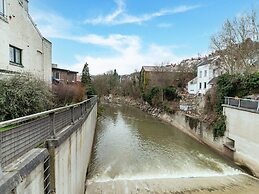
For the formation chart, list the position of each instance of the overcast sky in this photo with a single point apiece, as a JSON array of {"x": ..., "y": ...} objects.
[{"x": 127, "y": 34}]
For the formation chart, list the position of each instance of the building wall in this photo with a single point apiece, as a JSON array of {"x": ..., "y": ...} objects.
[
  {"x": 151, "y": 79},
  {"x": 73, "y": 156},
  {"x": 202, "y": 79},
  {"x": 18, "y": 30},
  {"x": 65, "y": 76},
  {"x": 192, "y": 87},
  {"x": 242, "y": 127}
]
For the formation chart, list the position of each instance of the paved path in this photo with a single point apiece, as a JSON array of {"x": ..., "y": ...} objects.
[{"x": 235, "y": 184}]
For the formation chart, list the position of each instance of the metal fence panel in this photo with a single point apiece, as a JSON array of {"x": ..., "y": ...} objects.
[
  {"x": 242, "y": 103},
  {"x": 18, "y": 140},
  {"x": 31, "y": 131}
]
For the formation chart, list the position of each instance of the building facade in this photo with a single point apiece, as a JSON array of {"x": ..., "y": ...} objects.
[
  {"x": 163, "y": 76},
  {"x": 23, "y": 49},
  {"x": 207, "y": 71},
  {"x": 63, "y": 75}
]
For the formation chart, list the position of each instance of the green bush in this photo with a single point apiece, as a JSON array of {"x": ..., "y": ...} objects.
[
  {"x": 236, "y": 85},
  {"x": 151, "y": 94},
  {"x": 170, "y": 94},
  {"x": 23, "y": 95},
  {"x": 219, "y": 127}
]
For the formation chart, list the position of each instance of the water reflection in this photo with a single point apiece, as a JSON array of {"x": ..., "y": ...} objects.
[{"x": 132, "y": 145}]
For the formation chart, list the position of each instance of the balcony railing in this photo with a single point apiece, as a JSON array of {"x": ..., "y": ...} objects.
[
  {"x": 242, "y": 103},
  {"x": 20, "y": 135}
]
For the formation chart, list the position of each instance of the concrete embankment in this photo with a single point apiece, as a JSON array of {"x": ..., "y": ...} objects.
[{"x": 238, "y": 184}]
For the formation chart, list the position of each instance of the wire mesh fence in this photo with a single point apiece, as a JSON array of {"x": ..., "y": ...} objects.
[{"x": 20, "y": 135}]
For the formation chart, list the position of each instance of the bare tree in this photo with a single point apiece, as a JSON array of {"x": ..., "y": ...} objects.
[{"x": 237, "y": 44}]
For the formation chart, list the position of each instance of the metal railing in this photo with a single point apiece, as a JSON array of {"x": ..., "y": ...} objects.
[
  {"x": 242, "y": 103},
  {"x": 20, "y": 135}
]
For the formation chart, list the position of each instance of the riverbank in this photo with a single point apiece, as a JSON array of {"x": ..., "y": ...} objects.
[{"x": 193, "y": 126}]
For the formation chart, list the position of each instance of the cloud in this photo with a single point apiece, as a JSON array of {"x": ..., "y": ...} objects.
[
  {"x": 129, "y": 57},
  {"x": 128, "y": 51},
  {"x": 51, "y": 25},
  {"x": 164, "y": 25},
  {"x": 117, "y": 42},
  {"x": 119, "y": 16}
]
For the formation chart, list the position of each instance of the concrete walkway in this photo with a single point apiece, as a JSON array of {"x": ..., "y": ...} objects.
[{"x": 234, "y": 184}]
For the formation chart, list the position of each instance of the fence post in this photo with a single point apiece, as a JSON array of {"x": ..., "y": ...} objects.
[
  {"x": 72, "y": 115},
  {"x": 228, "y": 101},
  {"x": 1, "y": 155},
  {"x": 85, "y": 106},
  {"x": 52, "y": 125},
  {"x": 257, "y": 106},
  {"x": 239, "y": 102},
  {"x": 81, "y": 108}
]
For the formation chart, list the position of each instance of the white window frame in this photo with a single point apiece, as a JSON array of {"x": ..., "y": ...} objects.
[
  {"x": 200, "y": 74},
  {"x": 205, "y": 73}
]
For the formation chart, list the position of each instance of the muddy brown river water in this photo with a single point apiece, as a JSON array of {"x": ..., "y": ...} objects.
[{"x": 136, "y": 153}]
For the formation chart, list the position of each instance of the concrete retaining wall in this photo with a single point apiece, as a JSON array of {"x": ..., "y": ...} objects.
[
  {"x": 197, "y": 129},
  {"x": 243, "y": 128},
  {"x": 25, "y": 175},
  {"x": 70, "y": 154}
]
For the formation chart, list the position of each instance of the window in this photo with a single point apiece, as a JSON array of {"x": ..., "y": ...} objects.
[
  {"x": 56, "y": 75},
  {"x": 200, "y": 85},
  {"x": 205, "y": 73},
  {"x": 15, "y": 55},
  {"x": 205, "y": 85},
  {"x": 200, "y": 74},
  {"x": 2, "y": 8}
]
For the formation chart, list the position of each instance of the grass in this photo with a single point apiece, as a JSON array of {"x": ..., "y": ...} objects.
[{"x": 8, "y": 127}]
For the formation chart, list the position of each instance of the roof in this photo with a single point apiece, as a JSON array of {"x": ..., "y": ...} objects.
[
  {"x": 169, "y": 68},
  {"x": 213, "y": 81},
  {"x": 59, "y": 69},
  {"x": 194, "y": 80},
  {"x": 209, "y": 61}
]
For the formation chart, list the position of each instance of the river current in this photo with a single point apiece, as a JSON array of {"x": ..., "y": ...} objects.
[{"x": 132, "y": 145}]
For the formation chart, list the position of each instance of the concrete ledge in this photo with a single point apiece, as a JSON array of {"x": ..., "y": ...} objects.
[
  {"x": 240, "y": 108},
  {"x": 14, "y": 173}
]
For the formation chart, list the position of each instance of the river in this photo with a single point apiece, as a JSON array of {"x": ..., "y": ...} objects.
[{"x": 130, "y": 145}]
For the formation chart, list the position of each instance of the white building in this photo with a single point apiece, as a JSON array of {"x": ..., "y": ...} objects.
[
  {"x": 22, "y": 47},
  {"x": 206, "y": 72}
]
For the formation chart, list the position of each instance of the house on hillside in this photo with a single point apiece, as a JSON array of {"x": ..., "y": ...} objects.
[
  {"x": 63, "y": 75},
  {"x": 207, "y": 71},
  {"x": 163, "y": 76},
  {"x": 22, "y": 48}
]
